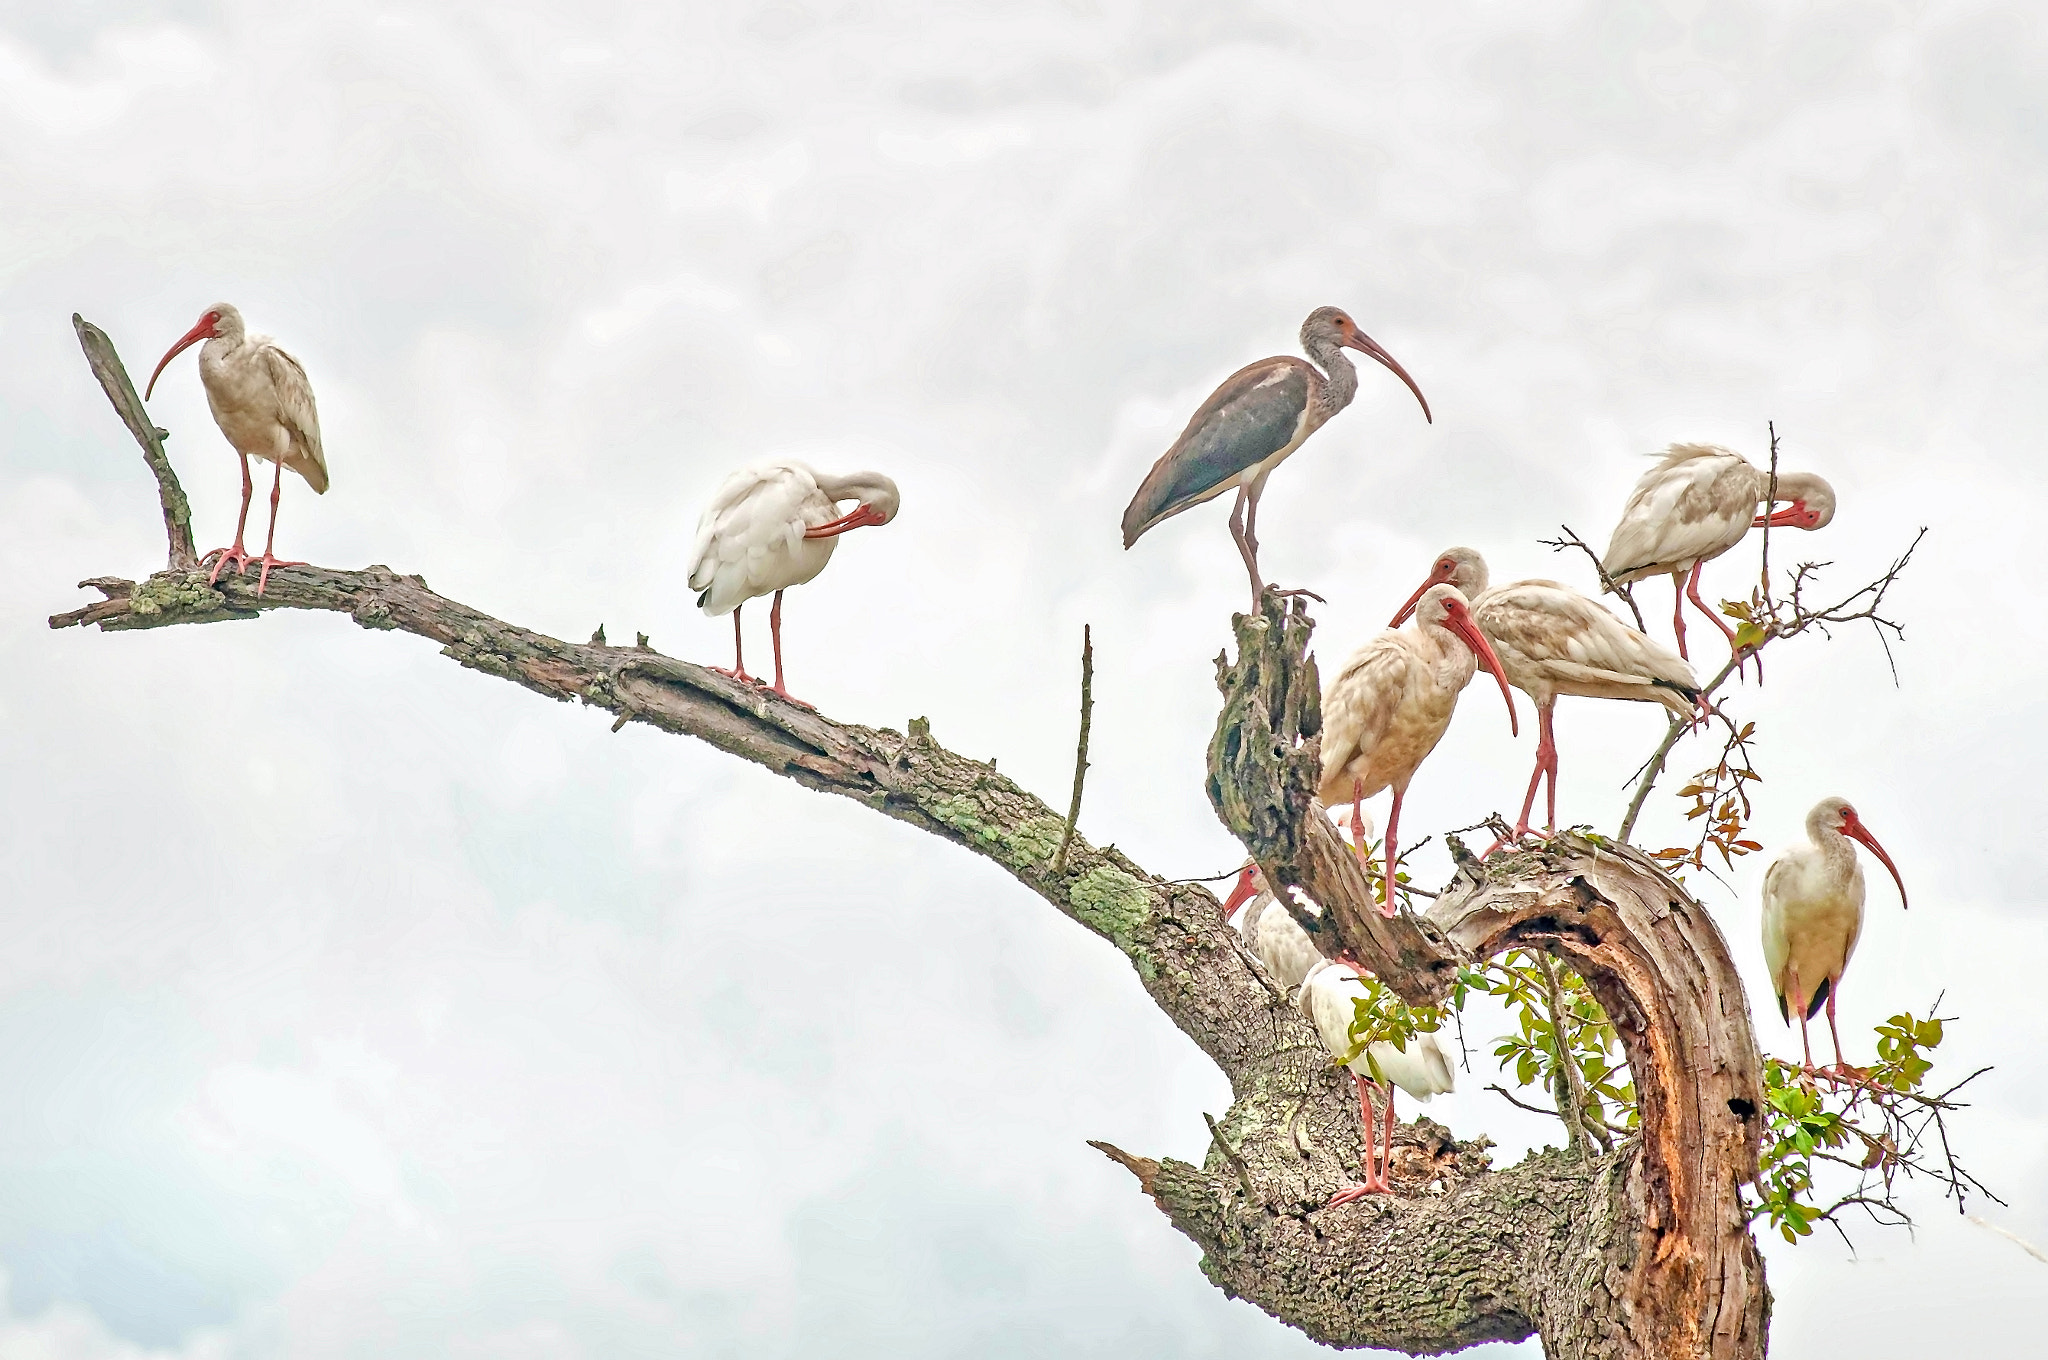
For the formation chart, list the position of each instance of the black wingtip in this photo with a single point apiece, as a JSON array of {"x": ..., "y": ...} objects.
[{"x": 1820, "y": 996}]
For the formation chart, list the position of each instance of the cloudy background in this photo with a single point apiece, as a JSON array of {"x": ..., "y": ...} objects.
[{"x": 352, "y": 1004}]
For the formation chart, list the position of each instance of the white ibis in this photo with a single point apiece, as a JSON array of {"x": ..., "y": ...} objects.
[
  {"x": 1552, "y": 641},
  {"x": 772, "y": 527},
  {"x": 262, "y": 402},
  {"x": 1249, "y": 425},
  {"x": 1813, "y": 912},
  {"x": 1268, "y": 929},
  {"x": 1388, "y": 707},
  {"x": 1329, "y": 998},
  {"x": 1696, "y": 504}
]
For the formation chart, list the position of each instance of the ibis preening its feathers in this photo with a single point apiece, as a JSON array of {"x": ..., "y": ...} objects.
[
  {"x": 1551, "y": 641},
  {"x": 1813, "y": 912},
  {"x": 1329, "y": 997},
  {"x": 1385, "y": 711},
  {"x": 772, "y": 527},
  {"x": 1696, "y": 504},
  {"x": 1250, "y": 424},
  {"x": 262, "y": 402}
]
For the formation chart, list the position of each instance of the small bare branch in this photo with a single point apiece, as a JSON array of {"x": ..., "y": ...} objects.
[
  {"x": 1059, "y": 861},
  {"x": 1567, "y": 539},
  {"x": 113, "y": 376}
]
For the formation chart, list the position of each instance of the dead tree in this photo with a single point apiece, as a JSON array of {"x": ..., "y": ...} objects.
[{"x": 1641, "y": 1252}]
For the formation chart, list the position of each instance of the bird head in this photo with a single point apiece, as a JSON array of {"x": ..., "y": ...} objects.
[
  {"x": 1328, "y": 326},
  {"x": 220, "y": 321},
  {"x": 1835, "y": 814},
  {"x": 1246, "y": 889},
  {"x": 1460, "y": 567},
  {"x": 1812, "y": 507},
  {"x": 878, "y": 497},
  {"x": 1443, "y": 607}
]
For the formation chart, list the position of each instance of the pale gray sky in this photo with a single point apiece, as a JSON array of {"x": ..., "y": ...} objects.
[{"x": 356, "y": 1005}]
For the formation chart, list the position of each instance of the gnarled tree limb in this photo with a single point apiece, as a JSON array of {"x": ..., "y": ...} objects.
[{"x": 1641, "y": 1253}]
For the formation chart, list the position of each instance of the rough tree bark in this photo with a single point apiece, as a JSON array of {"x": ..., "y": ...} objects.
[{"x": 1641, "y": 1253}]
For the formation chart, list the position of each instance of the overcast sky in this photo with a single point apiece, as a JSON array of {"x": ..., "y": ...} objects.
[{"x": 353, "y": 1004}]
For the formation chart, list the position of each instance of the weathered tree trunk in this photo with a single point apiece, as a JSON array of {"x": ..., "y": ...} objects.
[{"x": 1643, "y": 1253}]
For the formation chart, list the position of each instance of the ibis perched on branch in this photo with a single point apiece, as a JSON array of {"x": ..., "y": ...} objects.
[
  {"x": 1696, "y": 504},
  {"x": 1389, "y": 705},
  {"x": 772, "y": 527},
  {"x": 1552, "y": 641},
  {"x": 262, "y": 402},
  {"x": 1249, "y": 425},
  {"x": 1329, "y": 998},
  {"x": 1813, "y": 912}
]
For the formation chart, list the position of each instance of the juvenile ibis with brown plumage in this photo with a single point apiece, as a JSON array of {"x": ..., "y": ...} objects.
[
  {"x": 262, "y": 402},
  {"x": 1813, "y": 914},
  {"x": 1553, "y": 641},
  {"x": 1695, "y": 504},
  {"x": 1249, "y": 426},
  {"x": 1389, "y": 705}
]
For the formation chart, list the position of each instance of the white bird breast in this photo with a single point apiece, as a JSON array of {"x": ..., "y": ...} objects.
[{"x": 1330, "y": 998}]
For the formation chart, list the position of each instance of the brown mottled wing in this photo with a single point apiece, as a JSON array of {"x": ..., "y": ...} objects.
[
  {"x": 1696, "y": 504},
  {"x": 1359, "y": 708},
  {"x": 296, "y": 412},
  {"x": 1256, "y": 413},
  {"x": 1550, "y": 638}
]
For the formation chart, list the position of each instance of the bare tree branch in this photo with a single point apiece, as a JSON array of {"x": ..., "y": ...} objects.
[
  {"x": 1568, "y": 538},
  {"x": 1059, "y": 861},
  {"x": 107, "y": 367}
]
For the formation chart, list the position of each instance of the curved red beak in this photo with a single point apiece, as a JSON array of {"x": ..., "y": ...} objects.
[
  {"x": 1365, "y": 344},
  {"x": 202, "y": 331},
  {"x": 1793, "y": 516},
  {"x": 859, "y": 517},
  {"x": 1855, "y": 830},
  {"x": 1247, "y": 888},
  {"x": 1438, "y": 577},
  {"x": 1459, "y": 620}
]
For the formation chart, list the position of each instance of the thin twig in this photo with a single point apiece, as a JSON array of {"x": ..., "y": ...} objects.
[
  {"x": 2009, "y": 1235},
  {"x": 1574, "y": 1080},
  {"x": 1244, "y": 1175},
  {"x": 1504, "y": 1094},
  {"x": 1211, "y": 878},
  {"x": 1569, "y": 539},
  {"x": 1059, "y": 861}
]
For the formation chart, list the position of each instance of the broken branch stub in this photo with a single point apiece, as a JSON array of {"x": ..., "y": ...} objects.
[{"x": 1264, "y": 768}]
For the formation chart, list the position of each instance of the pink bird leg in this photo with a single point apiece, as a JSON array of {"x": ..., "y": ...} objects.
[
  {"x": 775, "y": 633},
  {"x": 739, "y": 662}
]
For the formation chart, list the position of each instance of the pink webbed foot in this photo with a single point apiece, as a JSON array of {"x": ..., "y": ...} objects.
[
  {"x": 1376, "y": 1183},
  {"x": 777, "y": 689},
  {"x": 238, "y": 555},
  {"x": 263, "y": 576},
  {"x": 737, "y": 674}
]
